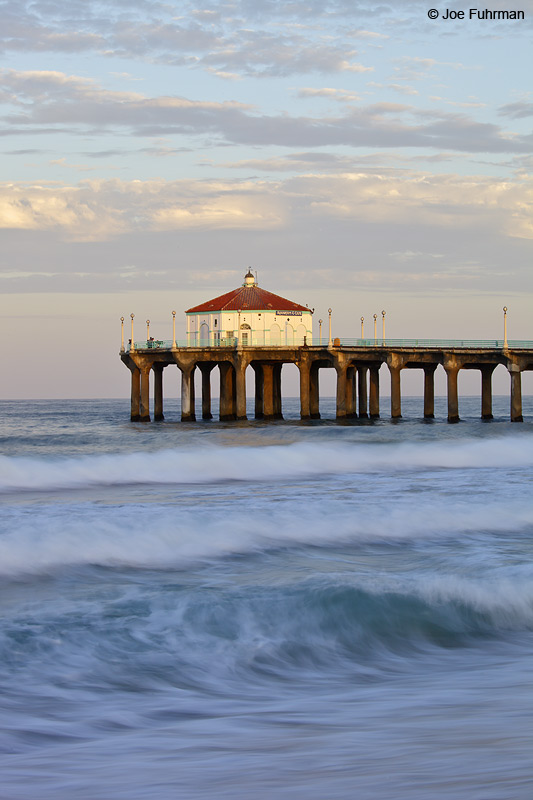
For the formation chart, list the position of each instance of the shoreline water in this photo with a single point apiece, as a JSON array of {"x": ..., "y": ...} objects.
[{"x": 262, "y": 609}]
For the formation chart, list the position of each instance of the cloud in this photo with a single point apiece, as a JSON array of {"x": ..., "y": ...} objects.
[
  {"x": 412, "y": 68},
  {"x": 341, "y": 95},
  {"x": 50, "y": 101},
  {"x": 363, "y": 34},
  {"x": 241, "y": 38},
  {"x": 100, "y": 210},
  {"x": 517, "y": 110},
  {"x": 323, "y": 162},
  {"x": 226, "y": 40}
]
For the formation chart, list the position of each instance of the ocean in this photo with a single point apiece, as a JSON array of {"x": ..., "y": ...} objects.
[{"x": 265, "y": 609}]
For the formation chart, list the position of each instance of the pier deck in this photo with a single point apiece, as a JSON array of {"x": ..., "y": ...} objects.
[{"x": 356, "y": 362}]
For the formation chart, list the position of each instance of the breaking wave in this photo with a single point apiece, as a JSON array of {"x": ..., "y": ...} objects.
[
  {"x": 45, "y": 539},
  {"x": 212, "y": 464}
]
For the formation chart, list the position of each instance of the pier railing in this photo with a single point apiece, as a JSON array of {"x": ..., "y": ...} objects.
[{"x": 475, "y": 344}]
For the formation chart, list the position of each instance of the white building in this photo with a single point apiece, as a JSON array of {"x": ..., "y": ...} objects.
[{"x": 249, "y": 316}]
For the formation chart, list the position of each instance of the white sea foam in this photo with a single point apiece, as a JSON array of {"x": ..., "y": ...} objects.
[
  {"x": 41, "y": 539},
  {"x": 211, "y": 464}
]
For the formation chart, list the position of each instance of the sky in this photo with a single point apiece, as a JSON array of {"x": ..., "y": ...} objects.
[{"x": 358, "y": 156}]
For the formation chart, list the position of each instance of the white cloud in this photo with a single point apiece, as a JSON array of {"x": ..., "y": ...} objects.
[
  {"x": 98, "y": 210},
  {"x": 341, "y": 95}
]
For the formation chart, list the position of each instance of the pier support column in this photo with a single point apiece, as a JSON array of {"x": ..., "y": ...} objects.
[
  {"x": 314, "y": 398},
  {"x": 395, "y": 392},
  {"x": 259, "y": 393},
  {"x": 268, "y": 391},
  {"x": 205, "y": 369},
  {"x": 351, "y": 394},
  {"x": 158, "y": 391},
  {"x": 341, "y": 371},
  {"x": 362, "y": 391},
  {"x": 277, "y": 391},
  {"x": 145, "y": 395},
  {"x": 227, "y": 391},
  {"x": 374, "y": 392},
  {"x": 187, "y": 394},
  {"x": 516, "y": 393},
  {"x": 486, "y": 391},
  {"x": 240, "y": 390},
  {"x": 429, "y": 391},
  {"x": 453, "y": 395},
  {"x": 135, "y": 394},
  {"x": 305, "y": 410}
]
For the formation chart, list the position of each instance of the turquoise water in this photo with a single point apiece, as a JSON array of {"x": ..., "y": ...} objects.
[{"x": 286, "y": 610}]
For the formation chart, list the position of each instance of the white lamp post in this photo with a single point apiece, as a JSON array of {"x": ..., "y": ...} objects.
[
  {"x": 122, "y": 334},
  {"x": 383, "y": 318},
  {"x": 132, "y": 343},
  {"x": 362, "y": 327},
  {"x": 330, "y": 341},
  {"x": 173, "y": 330},
  {"x": 319, "y": 331},
  {"x": 505, "y": 327},
  {"x": 375, "y": 328},
  {"x": 147, "y": 330}
]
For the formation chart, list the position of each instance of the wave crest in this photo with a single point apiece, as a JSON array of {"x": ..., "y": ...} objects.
[{"x": 212, "y": 464}]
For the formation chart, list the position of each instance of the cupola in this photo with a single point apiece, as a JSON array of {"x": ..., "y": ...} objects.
[{"x": 249, "y": 278}]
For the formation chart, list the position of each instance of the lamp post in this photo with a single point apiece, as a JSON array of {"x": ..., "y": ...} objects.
[
  {"x": 122, "y": 334},
  {"x": 375, "y": 328},
  {"x": 132, "y": 343},
  {"x": 147, "y": 330},
  {"x": 362, "y": 327},
  {"x": 330, "y": 340},
  {"x": 319, "y": 331},
  {"x": 505, "y": 327},
  {"x": 383, "y": 333},
  {"x": 173, "y": 330}
]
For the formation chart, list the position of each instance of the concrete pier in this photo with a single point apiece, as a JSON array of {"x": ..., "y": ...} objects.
[
  {"x": 357, "y": 377},
  {"x": 362, "y": 370},
  {"x": 486, "y": 391},
  {"x": 158, "y": 391},
  {"x": 206, "y": 369},
  {"x": 429, "y": 391},
  {"x": 373, "y": 401}
]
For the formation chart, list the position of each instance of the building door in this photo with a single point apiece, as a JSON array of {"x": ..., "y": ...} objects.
[{"x": 245, "y": 334}]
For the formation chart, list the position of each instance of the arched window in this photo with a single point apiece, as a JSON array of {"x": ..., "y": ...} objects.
[
  {"x": 289, "y": 335},
  {"x": 275, "y": 335},
  {"x": 301, "y": 331}
]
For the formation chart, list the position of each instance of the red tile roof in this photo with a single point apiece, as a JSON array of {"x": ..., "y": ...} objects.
[{"x": 247, "y": 298}]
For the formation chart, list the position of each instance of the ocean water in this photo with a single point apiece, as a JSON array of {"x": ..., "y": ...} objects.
[{"x": 265, "y": 610}]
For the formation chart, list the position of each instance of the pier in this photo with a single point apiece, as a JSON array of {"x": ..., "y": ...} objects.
[{"x": 356, "y": 362}]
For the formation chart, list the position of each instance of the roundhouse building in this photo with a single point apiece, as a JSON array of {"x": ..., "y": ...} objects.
[{"x": 249, "y": 316}]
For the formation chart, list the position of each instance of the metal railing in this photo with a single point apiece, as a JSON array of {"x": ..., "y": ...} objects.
[
  {"x": 438, "y": 344},
  {"x": 482, "y": 344}
]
